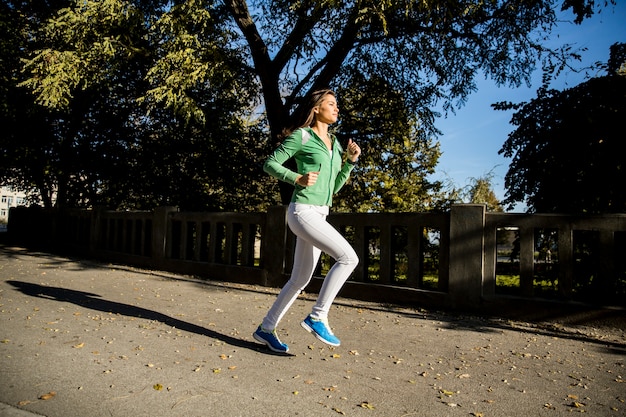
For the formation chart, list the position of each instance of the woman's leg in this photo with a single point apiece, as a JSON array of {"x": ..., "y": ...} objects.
[
  {"x": 311, "y": 225},
  {"x": 304, "y": 263},
  {"x": 314, "y": 234},
  {"x": 305, "y": 260}
]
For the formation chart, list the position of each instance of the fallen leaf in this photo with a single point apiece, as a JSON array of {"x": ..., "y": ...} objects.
[
  {"x": 367, "y": 405},
  {"x": 338, "y": 411},
  {"x": 78, "y": 346},
  {"x": 48, "y": 396},
  {"x": 23, "y": 403},
  {"x": 157, "y": 387}
]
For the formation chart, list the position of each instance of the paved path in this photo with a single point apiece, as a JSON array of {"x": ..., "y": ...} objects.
[{"x": 86, "y": 339}]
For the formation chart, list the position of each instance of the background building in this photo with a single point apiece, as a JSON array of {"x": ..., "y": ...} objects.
[{"x": 8, "y": 199}]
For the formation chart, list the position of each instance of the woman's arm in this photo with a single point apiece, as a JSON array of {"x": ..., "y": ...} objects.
[{"x": 274, "y": 163}]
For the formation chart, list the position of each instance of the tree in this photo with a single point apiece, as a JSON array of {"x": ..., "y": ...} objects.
[
  {"x": 23, "y": 161},
  {"x": 567, "y": 147},
  {"x": 267, "y": 55},
  {"x": 481, "y": 192},
  {"x": 397, "y": 151},
  {"x": 102, "y": 146}
]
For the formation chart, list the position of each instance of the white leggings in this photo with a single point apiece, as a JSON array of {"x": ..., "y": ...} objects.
[{"x": 313, "y": 235}]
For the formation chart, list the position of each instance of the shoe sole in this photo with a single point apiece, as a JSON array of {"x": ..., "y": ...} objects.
[
  {"x": 268, "y": 344},
  {"x": 314, "y": 333}
]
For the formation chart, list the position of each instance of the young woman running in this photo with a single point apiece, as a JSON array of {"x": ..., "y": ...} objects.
[{"x": 320, "y": 174}]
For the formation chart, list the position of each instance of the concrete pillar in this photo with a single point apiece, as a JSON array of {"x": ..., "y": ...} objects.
[
  {"x": 160, "y": 226},
  {"x": 273, "y": 247},
  {"x": 95, "y": 228},
  {"x": 467, "y": 222}
]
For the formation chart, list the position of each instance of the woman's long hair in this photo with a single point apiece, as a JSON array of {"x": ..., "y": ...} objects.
[{"x": 306, "y": 116}]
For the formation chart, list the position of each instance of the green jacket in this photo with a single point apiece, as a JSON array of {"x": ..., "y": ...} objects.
[{"x": 310, "y": 154}]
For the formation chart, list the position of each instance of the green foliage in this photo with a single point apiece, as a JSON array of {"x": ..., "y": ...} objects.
[
  {"x": 193, "y": 55},
  {"x": 26, "y": 128},
  {"x": 391, "y": 175},
  {"x": 137, "y": 103},
  {"x": 99, "y": 144},
  {"x": 567, "y": 149},
  {"x": 87, "y": 42},
  {"x": 481, "y": 192}
]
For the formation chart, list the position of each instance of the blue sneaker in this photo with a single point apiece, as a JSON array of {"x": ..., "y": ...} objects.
[
  {"x": 271, "y": 340},
  {"x": 320, "y": 329}
]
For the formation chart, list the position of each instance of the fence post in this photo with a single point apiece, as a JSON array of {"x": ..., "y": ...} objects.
[
  {"x": 95, "y": 231},
  {"x": 160, "y": 223},
  {"x": 273, "y": 245},
  {"x": 467, "y": 223}
]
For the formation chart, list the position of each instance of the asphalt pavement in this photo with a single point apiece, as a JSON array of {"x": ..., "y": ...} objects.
[{"x": 88, "y": 339}]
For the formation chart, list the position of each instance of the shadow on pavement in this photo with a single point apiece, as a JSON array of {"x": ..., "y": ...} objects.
[
  {"x": 582, "y": 324},
  {"x": 94, "y": 302}
]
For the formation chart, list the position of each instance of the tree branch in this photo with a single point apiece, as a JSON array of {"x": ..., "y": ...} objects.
[
  {"x": 303, "y": 26},
  {"x": 265, "y": 69}
]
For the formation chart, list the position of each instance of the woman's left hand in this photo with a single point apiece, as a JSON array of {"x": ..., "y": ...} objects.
[{"x": 354, "y": 150}]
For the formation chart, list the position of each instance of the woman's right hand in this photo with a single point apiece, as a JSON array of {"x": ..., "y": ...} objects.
[{"x": 307, "y": 179}]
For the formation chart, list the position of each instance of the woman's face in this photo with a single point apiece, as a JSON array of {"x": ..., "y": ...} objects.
[{"x": 327, "y": 112}]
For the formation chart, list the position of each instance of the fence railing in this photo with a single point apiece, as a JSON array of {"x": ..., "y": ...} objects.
[{"x": 466, "y": 259}]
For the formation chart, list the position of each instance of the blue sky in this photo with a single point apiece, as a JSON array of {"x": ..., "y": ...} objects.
[{"x": 471, "y": 139}]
